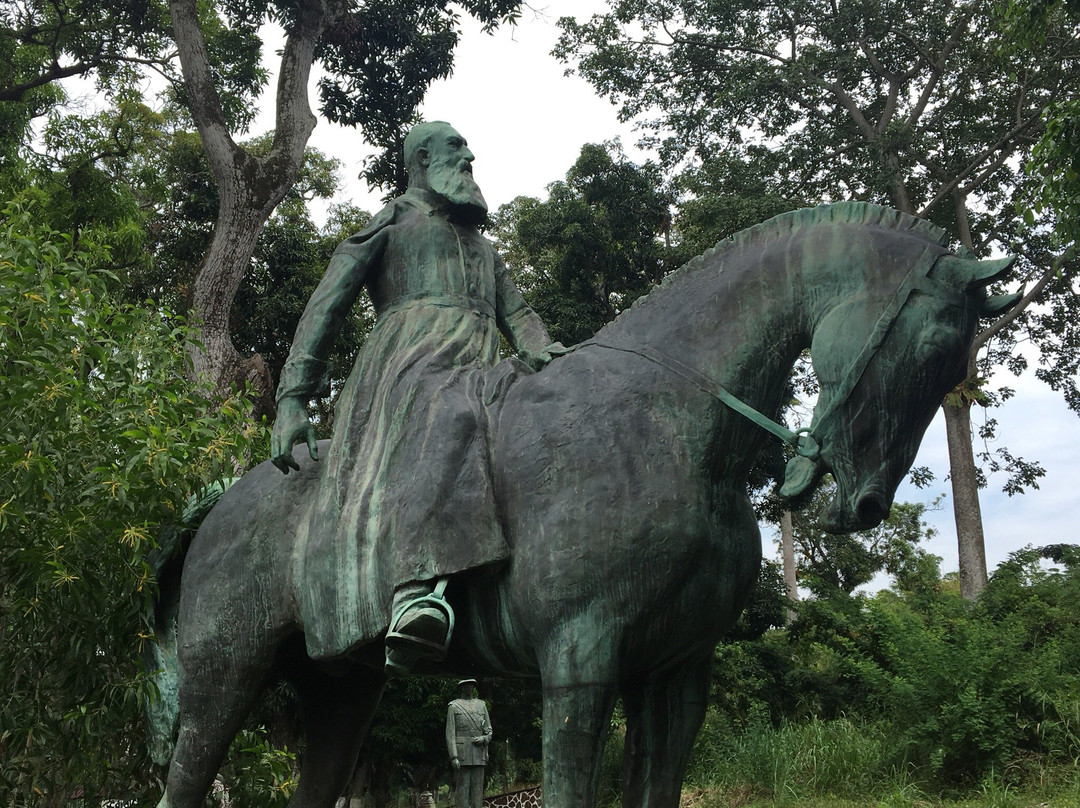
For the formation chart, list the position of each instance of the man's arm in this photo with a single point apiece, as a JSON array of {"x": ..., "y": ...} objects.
[
  {"x": 306, "y": 372},
  {"x": 486, "y": 737},
  {"x": 522, "y": 326},
  {"x": 451, "y": 736}
]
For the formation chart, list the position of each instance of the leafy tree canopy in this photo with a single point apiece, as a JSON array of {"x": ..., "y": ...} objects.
[
  {"x": 42, "y": 41},
  {"x": 595, "y": 245},
  {"x": 869, "y": 100},
  {"x": 102, "y": 441}
]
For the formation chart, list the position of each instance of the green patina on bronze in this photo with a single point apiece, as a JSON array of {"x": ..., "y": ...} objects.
[
  {"x": 618, "y": 485},
  {"x": 406, "y": 491}
]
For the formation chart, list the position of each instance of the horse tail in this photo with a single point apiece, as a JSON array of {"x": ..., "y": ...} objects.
[{"x": 159, "y": 656}]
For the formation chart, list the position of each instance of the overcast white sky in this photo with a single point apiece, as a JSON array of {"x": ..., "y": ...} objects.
[{"x": 526, "y": 122}]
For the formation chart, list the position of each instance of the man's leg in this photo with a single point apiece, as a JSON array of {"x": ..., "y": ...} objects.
[
  {"x": 472, "y": 782},
  {"x": 421, "y": 624},
  {"x": 461, "y": 787}
]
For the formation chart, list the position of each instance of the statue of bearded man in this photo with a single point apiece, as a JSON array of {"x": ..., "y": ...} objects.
[{"x": 405, "y": 498}]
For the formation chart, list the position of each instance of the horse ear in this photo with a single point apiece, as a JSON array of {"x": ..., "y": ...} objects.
[
  {"x": 996, "y": 305},
  {"x": 970, "y": 273}
]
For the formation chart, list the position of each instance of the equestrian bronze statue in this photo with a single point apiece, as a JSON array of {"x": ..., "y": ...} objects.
[{"x": 617, "y": 483}]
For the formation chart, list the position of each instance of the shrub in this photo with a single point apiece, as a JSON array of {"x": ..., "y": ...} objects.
[{"x": 102, "y": 439}]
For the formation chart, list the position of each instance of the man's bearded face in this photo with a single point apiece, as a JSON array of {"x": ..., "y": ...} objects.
[{"x": 449, "y": 175}]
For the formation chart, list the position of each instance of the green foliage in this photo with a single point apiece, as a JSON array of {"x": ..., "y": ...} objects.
[
  {"x": 837, "y": 758},
  {"x": 593, "y": 247},
  {"x": 919, "y": 685},
  {"x": 727, "y": 193},
  {"x": 412, "y": 719},
  {"x": 257, "y": 774},
  {"x": 766, "y": 607},
  {"x": 866, "y": 100},
  {"x": 828, "y": 563},
  {"x": 1056, "y": 161},
  {"x": 102, "y": 440},
  {"x": 42, "y": 42}
]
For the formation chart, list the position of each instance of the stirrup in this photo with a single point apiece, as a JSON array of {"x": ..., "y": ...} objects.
[{"x": 428, "y": 648}]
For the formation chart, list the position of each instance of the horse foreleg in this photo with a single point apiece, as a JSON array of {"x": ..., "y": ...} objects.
[
  {"x": 663, "y": 715},
  {"x": 337, "y": 712},
  {"x": 579, "y": 689}
]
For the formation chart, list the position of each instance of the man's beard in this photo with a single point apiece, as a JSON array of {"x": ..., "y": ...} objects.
[{"x": 457, "y": 186}]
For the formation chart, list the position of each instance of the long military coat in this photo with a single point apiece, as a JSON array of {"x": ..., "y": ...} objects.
[
  {"x": 406, "y": 493},
  {"x": 466, "y": 722}
]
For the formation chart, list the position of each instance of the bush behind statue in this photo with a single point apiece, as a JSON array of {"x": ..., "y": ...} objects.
[{"x": 916, "y": 684}]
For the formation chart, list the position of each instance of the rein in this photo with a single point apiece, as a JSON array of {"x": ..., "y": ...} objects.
[{"x": 805, "y": 440}]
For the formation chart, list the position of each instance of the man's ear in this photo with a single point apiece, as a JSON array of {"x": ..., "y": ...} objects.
[{"x": 424, "y": 157}]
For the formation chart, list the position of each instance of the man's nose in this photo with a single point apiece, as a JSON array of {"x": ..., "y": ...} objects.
[{"x": 468, "y": 155}]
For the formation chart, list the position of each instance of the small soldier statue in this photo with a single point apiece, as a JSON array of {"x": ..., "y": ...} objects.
[{"x": 468, "y": 733}]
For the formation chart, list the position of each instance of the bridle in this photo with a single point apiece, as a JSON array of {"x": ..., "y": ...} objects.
[{"x": 806, "y": 441}]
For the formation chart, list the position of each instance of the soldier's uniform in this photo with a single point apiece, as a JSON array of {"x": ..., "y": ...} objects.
[{"x": 468, "y": 733}]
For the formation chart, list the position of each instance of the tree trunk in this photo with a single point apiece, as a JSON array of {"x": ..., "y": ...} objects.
[
  {"x": 787, "y": 545},
  {"x": 249, "y": 188},
  {"x": 966, "y": 511},
  {"x": 970, "y": 539},
  {"x": 215, "y": 358}
]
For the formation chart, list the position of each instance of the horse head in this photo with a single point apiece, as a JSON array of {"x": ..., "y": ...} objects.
[{"x": 886, "y": 354}]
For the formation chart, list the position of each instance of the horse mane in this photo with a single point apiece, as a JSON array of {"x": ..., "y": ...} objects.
[{"x": 791, "y": 222}]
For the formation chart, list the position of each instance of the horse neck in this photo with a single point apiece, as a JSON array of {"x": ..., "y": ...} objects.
[{"x": 738, "y": 317}]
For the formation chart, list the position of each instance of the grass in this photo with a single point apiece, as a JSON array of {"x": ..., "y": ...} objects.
[
  {"x": 844, "y": 764},
  {"x": 741, "y": 799}
]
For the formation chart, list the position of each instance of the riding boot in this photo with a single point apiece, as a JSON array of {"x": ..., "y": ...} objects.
[{"x": 421, "y": 625}]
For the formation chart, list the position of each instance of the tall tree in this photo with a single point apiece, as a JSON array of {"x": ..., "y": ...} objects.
[
  {"x": 913, "y": 104},
  {"x": 382, "y": 56}
]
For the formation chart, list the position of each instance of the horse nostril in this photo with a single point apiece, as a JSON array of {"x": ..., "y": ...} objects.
[{"x": 871, "y": 510}]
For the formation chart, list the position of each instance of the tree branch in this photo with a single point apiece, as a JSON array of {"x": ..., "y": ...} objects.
[
  {"x": 294, "y": 119},
  {"x": 18, "y": 91},
  {"x": 937, "y": 67},
  {"x": 219, "y": 146},
  {"x": 979, "y": 159}
]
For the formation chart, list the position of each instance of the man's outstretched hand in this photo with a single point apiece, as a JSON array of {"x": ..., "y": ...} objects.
[{"x": 291, "y": 427}]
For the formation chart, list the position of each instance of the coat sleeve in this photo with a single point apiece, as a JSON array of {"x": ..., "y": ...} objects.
[
  {"x": 521, "y": 326},
  {"x": 306, "y": 372},
  {"x": 451, "y": 733},
  {"x": 487, "y": 726}
]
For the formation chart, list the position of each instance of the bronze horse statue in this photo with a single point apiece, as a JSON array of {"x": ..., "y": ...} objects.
[{"x": 620, "y": 472}]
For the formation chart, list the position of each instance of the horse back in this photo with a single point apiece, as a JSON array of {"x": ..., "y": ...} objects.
[{"x": 238, "y": 566}]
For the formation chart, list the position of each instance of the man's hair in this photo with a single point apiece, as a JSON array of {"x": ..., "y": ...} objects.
[{"x": 419, "y": 137}]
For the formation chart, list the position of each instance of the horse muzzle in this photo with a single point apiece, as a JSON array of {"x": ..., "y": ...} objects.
[{"x": 864, "y": 511}]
